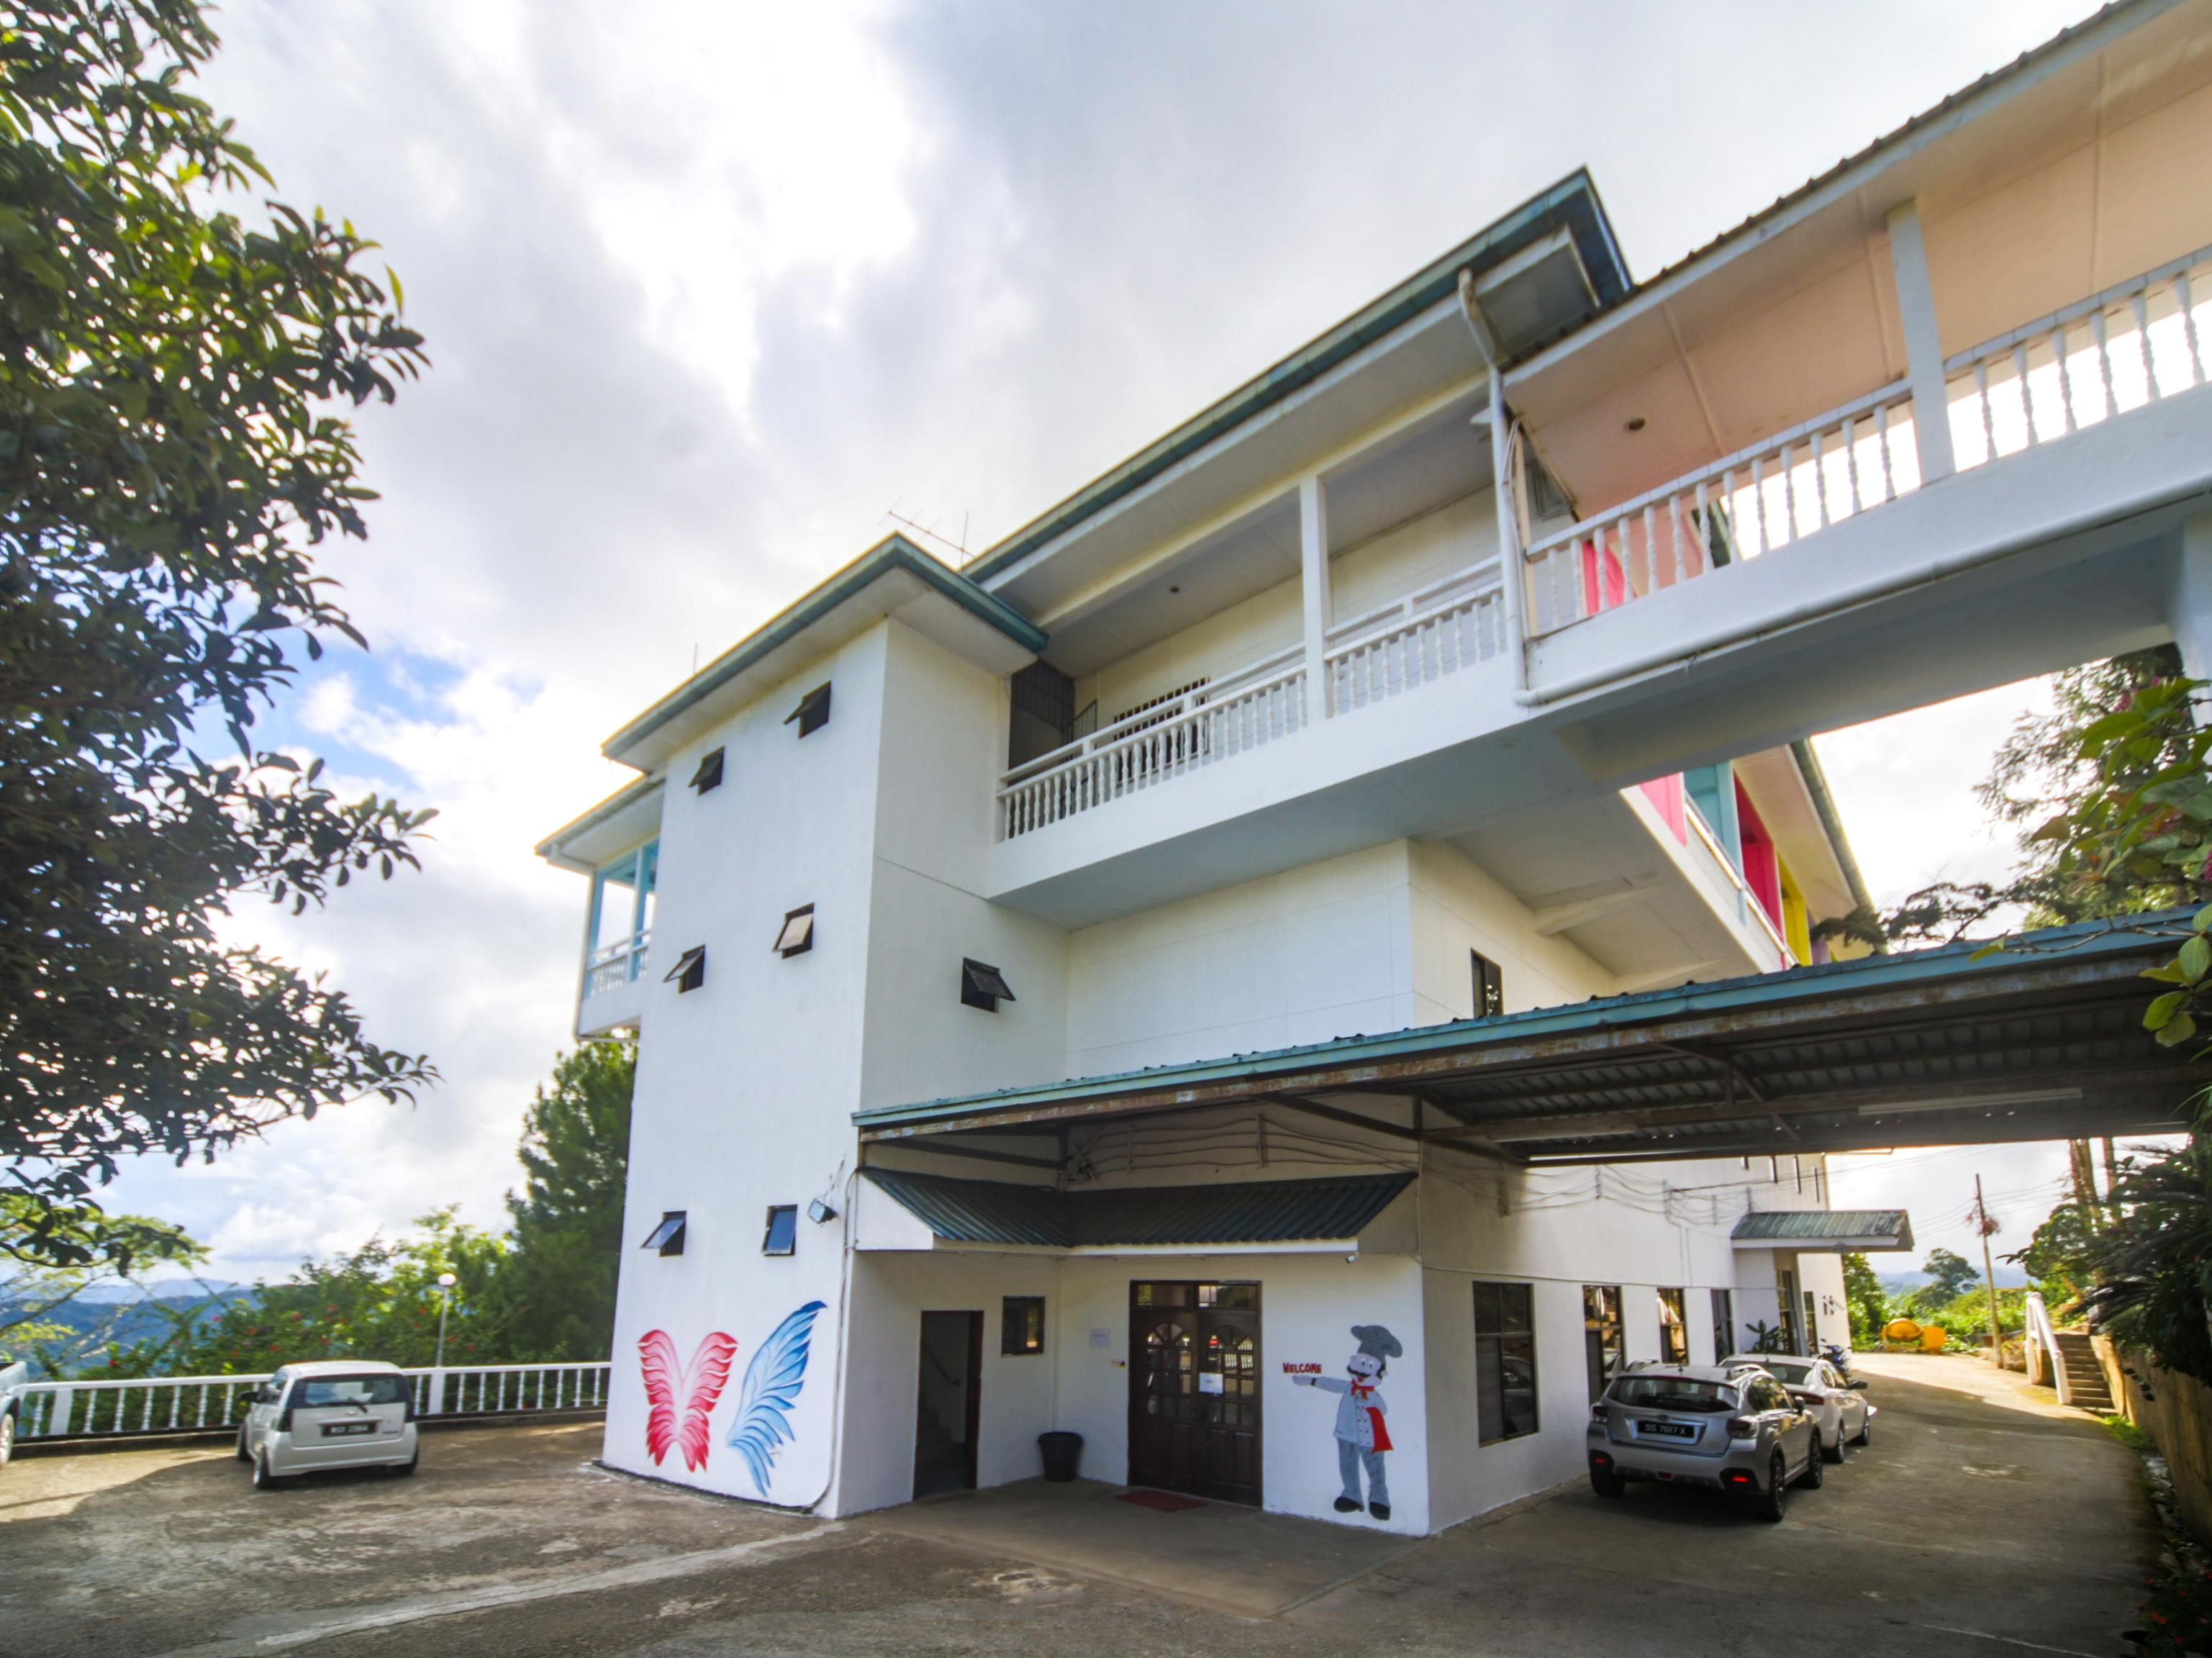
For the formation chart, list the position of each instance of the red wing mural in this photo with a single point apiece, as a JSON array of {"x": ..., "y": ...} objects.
[{"x": 683, "y": 1397}]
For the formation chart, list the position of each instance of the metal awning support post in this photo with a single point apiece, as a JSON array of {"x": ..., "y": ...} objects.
[{"x": 1313, "y": 564}]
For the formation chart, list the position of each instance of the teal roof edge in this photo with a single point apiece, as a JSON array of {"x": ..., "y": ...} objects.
[
  {"x": 2079, "y": 940},
  {"x": 1573, "y": 202},
  {"x": 894, "y": 552}
]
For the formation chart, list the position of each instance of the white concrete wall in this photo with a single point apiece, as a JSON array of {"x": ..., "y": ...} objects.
[
  {"x": 1457, "y": 908},
  {"x": 1374, "y": 941},
  {"x": 746, "y": 1086},
  {"x": 891, "y": 1292}
]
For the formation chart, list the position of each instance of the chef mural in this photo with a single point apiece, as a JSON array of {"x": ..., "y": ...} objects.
[{"x": 1362, "y": 1435}]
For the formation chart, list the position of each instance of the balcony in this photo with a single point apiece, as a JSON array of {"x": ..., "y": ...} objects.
[{"x": 2138, "y": 343}]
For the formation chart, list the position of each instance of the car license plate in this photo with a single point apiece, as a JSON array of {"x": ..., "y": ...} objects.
[
  {"x": 337, "y": 1430},
  {"x": 1667, "y": 1430}
]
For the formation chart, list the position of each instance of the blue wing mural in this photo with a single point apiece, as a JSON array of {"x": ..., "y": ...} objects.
[{"x": 765, "y": 1398}]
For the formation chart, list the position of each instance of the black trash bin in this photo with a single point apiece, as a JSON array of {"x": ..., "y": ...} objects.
[{"x": 1062, "y": 1452}]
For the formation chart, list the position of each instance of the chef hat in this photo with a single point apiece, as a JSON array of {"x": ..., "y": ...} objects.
[{"x": 1374, "y": 1339}]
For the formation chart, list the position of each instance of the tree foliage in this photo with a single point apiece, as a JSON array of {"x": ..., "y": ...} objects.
[
  {"x": 2153, "y": 1259},
  {"x": 172, "y": 356},
  {"x": 1950, "y": 1275},
  {"x": 558, "y": 1284},
  {"x": 1864, "y": 1296},
  {"x": 2057, "y": 1256},
  {"x": 105, "y": 1248},
  {"x": 381, "y": 1301}
]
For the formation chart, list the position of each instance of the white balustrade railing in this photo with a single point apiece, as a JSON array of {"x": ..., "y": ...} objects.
[
  {"x": 1432, "y": 631},
  {"x": 1775, "y": 492},
  {"x": 2134, "y": 344},
  {"x": 1202, "y": 727},
  {"x": 193, "y": 1404},
  {"x": 2043, "y": 1339},
  {"x": 616, "y": 965}
]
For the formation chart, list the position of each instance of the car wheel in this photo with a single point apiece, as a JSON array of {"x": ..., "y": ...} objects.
[
  {"x": 400, "y": 1469},
  {"x": 1816, "y": 1462},
  {"x": 7, "y": 1437},
  {"x": 1834, "y": 1453},
  {"x": 1770, "y": 1504},
  {"x": 263, "y": 1479},
  {"x": 1605, "y": 1483},
  {"x": 1866, "y": 1432}
]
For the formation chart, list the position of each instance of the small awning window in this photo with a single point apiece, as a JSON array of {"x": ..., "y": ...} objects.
[
  {"x": 983, "y": 986},
  {"x": 797, "y": 935},
  {"x": 690, "y": 971},
  {"x": 781, "y": 1237},
  {"x": 709, "y": 774},
  {"x": 812, "y": 712},
  {"x": 668, "y": 1236}
]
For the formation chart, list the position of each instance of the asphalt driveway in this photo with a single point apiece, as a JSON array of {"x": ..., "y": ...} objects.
[{"x": 1984, "y": 1520}]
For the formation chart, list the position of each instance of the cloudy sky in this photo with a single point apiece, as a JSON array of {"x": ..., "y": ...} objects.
[{"x": 710, "y": 288}]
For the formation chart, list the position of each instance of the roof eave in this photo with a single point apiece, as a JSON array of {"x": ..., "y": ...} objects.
[{"x": 893, "y": 553}]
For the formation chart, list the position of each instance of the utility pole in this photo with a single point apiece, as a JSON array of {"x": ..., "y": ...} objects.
[{"x": 1985, "y": 1224}]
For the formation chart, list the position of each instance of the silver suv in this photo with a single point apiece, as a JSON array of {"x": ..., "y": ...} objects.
[{"x": 1730, "y": 1426}]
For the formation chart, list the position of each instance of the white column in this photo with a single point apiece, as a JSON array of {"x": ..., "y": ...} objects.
[
  {"x": 1923, "y": 345},
  {"x": 1313, "y": 560},
  {"x": 2189, "y": 606},
  {"x": 1512, "y": 569}
]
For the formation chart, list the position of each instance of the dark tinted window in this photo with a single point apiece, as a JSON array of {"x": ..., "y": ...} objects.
[
  {"x": 782, "y": 1236},
  {"x": 1602, "y": 1339},
  {"x": 1668, "y": 1392},
  {"x": 1021, "y": 1325},
  {"x": 322, "y": 1390},
  {"x": 1504, "y": 1361}
]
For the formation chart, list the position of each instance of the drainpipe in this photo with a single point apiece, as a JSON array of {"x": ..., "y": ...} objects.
[
  {"x": 1824, "y": 804},
  {"x": 1501, "y": 474}
]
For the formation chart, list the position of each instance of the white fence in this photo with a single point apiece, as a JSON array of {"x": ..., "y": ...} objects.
[
  {"x": 2042, "y": 1346},
  {"x": 215, "y": 1404},
  {"x": 1777, "y": 491},
  {"x": 617, "y": 964},
  {"x": 1260, "y": 704},
  {"x": 1433, "y": 631}
]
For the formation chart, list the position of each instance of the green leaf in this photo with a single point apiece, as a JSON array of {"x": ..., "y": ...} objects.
[
  {"x": 2195, "y": 960},
  {"x": 2177, "y": 1029},
  {"x": 2165, "y": 1010}
]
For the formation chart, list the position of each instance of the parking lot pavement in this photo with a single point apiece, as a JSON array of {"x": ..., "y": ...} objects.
[{"x": 1984, "y": 1520}]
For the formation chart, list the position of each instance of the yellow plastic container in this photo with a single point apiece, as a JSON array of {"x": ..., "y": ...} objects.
[
  {"x": 1900, "y": 1329},
  {"x": 1933, "y": 1337}
]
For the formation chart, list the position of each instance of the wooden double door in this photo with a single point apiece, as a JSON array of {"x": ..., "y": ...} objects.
[{"x": 1194, "y": 1388}]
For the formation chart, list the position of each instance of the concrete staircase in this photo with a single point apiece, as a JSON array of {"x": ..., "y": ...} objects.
[{"x": 2085, "y": 1377}]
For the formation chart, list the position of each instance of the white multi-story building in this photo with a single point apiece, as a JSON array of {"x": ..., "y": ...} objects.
[{"x": 1266, "y": 922}]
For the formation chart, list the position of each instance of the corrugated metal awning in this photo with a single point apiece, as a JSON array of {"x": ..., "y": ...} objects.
[
  {"x": 1824, "y": 1229},
  {"x": 1249, "y": 1212},
  {"x": 2043, "y": 1041}
]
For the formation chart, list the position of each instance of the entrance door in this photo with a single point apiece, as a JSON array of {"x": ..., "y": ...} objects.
[
  {"x": 949, "y": 1404},
  {"x": 1194, "y": 1389}
]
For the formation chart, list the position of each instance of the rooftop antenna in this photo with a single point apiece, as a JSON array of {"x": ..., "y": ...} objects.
[{"x": 959, "y": 547}]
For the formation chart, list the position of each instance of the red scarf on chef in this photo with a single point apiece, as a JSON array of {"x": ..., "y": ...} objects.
[{"x": 1361, "y": 1391}]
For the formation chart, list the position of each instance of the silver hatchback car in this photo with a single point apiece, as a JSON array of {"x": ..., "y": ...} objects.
[
  {"x": 333, "y": 1413},
  {"x": 1731, "y": 1427}
]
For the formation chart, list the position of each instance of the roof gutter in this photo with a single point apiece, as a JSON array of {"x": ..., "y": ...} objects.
[{"x": 1824, "y": 803}]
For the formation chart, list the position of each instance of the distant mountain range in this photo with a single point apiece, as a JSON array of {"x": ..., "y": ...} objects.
[
  {"x": 120, "y": 1313},
  {"x": 1898, "y": 1284}
]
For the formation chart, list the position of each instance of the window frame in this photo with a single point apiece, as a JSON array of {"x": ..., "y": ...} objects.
[
  {"x": 1594, "y": 1358},
  {"x": 667, "y": 1237},
  {"x": 812, "y": 712},
  {"x": 1489, "y": 986},
  {"x": 1026, "y": 1339},
  {"x": 690, "y": 971},
  {"x": 787, "y": 949},
  {"x": 983, "y": 986},
  {"x": 1674, "y": 1333},
  {"x": 1495, "y": 1345},
  {"x": 790, "y": 1231}
]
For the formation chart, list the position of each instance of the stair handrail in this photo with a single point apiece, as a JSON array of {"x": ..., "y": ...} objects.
[{"x": 2041, "y": 1332}]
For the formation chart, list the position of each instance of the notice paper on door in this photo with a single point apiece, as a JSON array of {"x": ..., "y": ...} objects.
[{"x": 1209, "y": 1382}]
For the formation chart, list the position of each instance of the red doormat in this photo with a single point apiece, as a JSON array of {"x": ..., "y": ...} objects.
[{"x": 1163, "y": 1501}]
